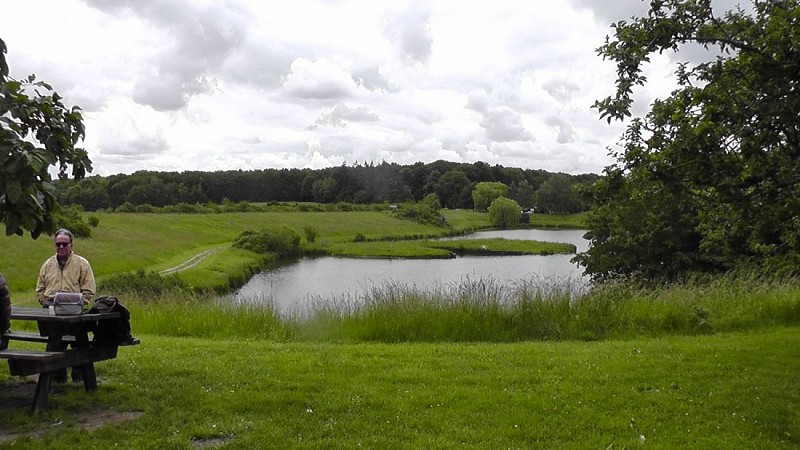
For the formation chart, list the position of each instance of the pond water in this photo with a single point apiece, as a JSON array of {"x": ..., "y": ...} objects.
[{"x": 312, "y": 280}]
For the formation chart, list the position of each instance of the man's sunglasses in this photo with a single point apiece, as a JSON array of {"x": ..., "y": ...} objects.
[{"x": 62, "y": 244}]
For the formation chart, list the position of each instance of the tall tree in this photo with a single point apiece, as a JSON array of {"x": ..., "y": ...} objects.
[
  {"x": 485, "y": 192},
  {"x": 709, "y": 179},
  {"x": 558, "y": 195},
  {"x": 454, "y": 190},
  {"x": 37, "y": 132},
  {"x": 523, "y": 193}
]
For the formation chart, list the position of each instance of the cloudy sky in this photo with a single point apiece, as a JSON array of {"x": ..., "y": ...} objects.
[{"x": 252, "y": 84}]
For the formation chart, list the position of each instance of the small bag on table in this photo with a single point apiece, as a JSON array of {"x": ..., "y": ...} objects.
[{"x": 68, "y": 304}]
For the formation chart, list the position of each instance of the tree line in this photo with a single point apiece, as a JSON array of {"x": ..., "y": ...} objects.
[{"x": 453, "y": 184}]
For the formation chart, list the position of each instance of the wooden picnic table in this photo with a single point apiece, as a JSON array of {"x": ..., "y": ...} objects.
[{"x": 54, "y": 332}]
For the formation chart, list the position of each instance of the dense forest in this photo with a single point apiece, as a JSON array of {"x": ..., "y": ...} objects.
[{"x": 361, "y": 184}]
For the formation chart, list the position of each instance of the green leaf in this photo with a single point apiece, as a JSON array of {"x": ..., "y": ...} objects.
[
  {"x": 13, "y": 191},
  {"x": 13, "y": 222}
]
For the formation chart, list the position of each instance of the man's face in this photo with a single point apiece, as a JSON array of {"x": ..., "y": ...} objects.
[{"x": 63, "y": 245}]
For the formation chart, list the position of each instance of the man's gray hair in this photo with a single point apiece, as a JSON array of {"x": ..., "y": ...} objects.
[{"x": 64, "y": 231}]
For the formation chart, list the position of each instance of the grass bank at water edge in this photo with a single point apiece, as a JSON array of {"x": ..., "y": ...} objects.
[{"x": 732, "y": 390}]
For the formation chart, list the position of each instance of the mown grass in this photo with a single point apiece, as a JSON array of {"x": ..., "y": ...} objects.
[
  {"x": 732, "y": 390},
  {"x": 577, "y": 221},
  {"x": 502, "y": 246},
  {"x": 466, "y": 218},
  {"x": 387, "y": 249}
]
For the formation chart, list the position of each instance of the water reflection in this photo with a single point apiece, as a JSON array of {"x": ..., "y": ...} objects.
[{"x": 329, "y": 279}]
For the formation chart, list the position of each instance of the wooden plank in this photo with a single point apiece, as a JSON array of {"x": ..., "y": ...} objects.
[
  {"x": 28, "y": 362},
  {"x": 34, "y": 337},
  {"x": 31, "y": 362},
  {"x": 30, "y": 355}
]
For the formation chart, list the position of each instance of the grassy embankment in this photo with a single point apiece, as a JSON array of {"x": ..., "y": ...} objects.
[{"x": 708, "y": 365}]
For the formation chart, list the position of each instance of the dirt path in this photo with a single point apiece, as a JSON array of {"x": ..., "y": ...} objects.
[{"x": 191, "y": 262}]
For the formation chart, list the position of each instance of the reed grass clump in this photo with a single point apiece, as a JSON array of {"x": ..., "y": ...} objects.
[
  {"x": 206, "y": 315},
  {"x": 484, "y": 310}
]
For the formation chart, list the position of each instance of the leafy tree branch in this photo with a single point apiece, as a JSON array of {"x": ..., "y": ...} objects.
[{"x": 37, "y": 132}]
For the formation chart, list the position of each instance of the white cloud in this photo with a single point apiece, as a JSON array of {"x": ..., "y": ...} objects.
[
  {"x": 341, "y": 114},
  {"x": 410, "y": 31},
  {"x": 245, "y": 84},
  {"x": 319, "y": 80}
]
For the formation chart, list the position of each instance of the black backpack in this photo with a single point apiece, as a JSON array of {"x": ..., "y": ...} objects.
[{"x": 115, "y": 331}]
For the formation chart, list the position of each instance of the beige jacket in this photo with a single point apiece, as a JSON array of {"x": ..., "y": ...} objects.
[{"x": 75, "y": 276}]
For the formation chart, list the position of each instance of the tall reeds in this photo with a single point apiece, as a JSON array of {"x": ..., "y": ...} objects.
[{"x": 485, "y": 310}]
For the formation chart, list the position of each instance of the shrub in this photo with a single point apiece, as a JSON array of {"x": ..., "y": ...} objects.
[
  {"x": 70, "y": 217},
  {"x": 144, "y": 284},
  {"x": 184, "y": 207},
  {"x": 425, "y": 212},
  {"x": 283, "y": 241},
  {"x": 126, "y": 207},
  {"x": 310, "y": 232},
  {"x": 504, "y": 213},
  {"x": 94, "y": 221}
]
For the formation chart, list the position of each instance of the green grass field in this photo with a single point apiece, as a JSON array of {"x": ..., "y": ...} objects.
[
  {"x": 733, "y": 390},
  {"x": 709, "y": 364}
]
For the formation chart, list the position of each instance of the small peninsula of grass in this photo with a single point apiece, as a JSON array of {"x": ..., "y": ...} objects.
[
  {"x": 447, "y": 248},
  {"x": 500, "y": 246},
  {"x": 387, "y": 249}
]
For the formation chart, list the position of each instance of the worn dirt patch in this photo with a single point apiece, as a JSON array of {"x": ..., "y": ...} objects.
[
  {"x": 18, "y": 395},
  {"x": 210, "y": 442},
  {"x": 191, "y": 262}
]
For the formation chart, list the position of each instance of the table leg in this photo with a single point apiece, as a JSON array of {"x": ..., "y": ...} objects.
[
  {"x": 89, "y": 377},
  {"x": 42, "y": 391}
]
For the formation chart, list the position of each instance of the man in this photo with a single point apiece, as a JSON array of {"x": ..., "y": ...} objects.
[{"x": 65, "y": 272}]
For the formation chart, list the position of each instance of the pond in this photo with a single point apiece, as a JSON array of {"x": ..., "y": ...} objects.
[{"x": 294, "y": 286}]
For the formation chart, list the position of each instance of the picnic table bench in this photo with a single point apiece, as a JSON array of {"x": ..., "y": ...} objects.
[{"x": 54, "y": 331}]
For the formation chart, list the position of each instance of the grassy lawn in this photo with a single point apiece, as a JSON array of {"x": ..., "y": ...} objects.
[
  {"x": 576, "y": 221},
  {"x": 502, "y": 246},
  {"x": 733, "y": 390}
]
